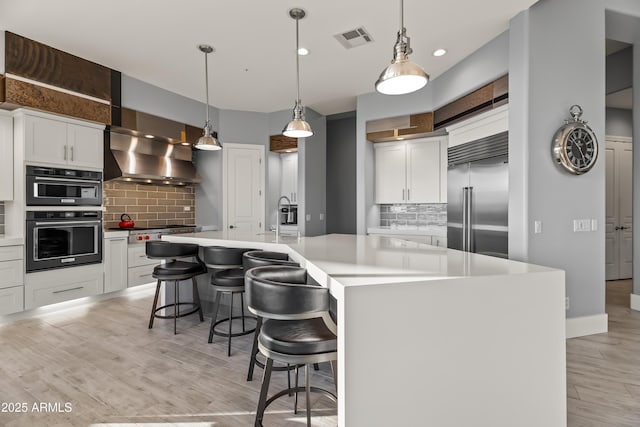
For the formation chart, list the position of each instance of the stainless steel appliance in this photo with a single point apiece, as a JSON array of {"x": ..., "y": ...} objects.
[
  {"x": 58, "y": 239},
  {"x": 142, "y": 235},
  {"x": 478, "y": 196},
  {"x": 63, "y": 187},
  {"x": 289, "y": 215}
]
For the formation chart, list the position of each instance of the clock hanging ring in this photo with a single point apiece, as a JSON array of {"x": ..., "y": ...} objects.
[{"x": 575, "y": 146}]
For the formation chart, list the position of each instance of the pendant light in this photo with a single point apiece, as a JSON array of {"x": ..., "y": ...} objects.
[
  {"x": 402, "y": 76},
  {"x": 207, "y": 141},
  {"x": 298, "y": 127}
]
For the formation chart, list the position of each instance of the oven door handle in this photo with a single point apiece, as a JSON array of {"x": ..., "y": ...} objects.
[
  {"x": 46, "y": 178},
  {"x": 39, "y": 224}
]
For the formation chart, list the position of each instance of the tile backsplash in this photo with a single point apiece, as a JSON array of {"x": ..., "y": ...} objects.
[
  {"x": 148, "y": 205},
  {"x": 413, "y": 216}
]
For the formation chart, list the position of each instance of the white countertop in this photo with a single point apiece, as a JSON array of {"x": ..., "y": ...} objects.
[
  {"x": 114, "y": 234},
  {"x": 11, "y": 241},
  {"x": 421, "y": 231},
  {"x": 354, "y": 260}
]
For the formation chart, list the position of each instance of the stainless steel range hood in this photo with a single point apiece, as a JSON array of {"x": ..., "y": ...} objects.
[
  {"x": 144, "y": 148},
  {"x": 150, "y": 161}
]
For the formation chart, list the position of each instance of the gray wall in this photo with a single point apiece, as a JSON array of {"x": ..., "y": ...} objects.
[
  {"x": 619, "y": 70},
  {"x": 619, "y": 122},
  {"x": 341, "y": 174}
]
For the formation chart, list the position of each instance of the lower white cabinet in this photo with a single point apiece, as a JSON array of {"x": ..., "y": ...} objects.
[
  {"x": 11, "y": 283},
  {"x": 140, "y": 267},
  {"x": 115, "y": 264},
  {"x": 53, "y": 286},
  {"x": 11, "y": 300}
]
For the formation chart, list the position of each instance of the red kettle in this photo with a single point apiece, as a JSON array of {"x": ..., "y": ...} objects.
[{"x": 125, "y": 221}]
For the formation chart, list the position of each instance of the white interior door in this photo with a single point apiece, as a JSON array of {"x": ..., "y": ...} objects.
[
  {"x": 618, "y": 233},
  {"x": 244, "y": 187}
]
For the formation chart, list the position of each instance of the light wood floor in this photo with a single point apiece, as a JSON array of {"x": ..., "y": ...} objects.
[
  {"x": 603, "y": 371},
  {"x": 103, "y": 360}
]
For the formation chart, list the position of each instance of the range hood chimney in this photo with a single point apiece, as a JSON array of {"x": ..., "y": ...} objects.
[{"x": 148, "y": 149}]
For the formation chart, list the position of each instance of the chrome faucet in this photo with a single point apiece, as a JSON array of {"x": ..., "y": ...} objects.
[{"x": 278, "y": 214}]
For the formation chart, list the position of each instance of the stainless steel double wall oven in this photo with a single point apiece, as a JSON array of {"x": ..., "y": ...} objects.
[{"x": 63, "y": 237}]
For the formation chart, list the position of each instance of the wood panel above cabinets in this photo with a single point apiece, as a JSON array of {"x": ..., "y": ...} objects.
[
  {"x": 41, "y": 77},
  {"x": 432, "y": 123},
  {"x": 283, "y": 144}
]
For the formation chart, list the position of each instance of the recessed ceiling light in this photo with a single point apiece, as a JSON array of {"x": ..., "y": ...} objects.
[
  {"x": 439, "y": 52},
  {"x": 149, "y": 136},
  {"x": 303, "y": 51}
]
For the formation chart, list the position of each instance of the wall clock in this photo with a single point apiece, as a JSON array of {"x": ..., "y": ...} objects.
[{"x": 574, "y": 145}]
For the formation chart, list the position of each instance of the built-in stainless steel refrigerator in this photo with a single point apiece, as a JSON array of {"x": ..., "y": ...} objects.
[{"x": 478, "y": 196}]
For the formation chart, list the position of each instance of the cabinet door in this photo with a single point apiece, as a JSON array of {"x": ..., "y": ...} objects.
[
  {"x": 115, "y": 264},
  {"x": 423, "y": 172},
  {"x": 289, "y": 180},
  {"x": 85, "y": 146},
  {"x": 6, "y": 157},
  {"x": 46, "y": 141},
  {"x": 11, "y": 300},
  {"x": 390, "y": 171}
]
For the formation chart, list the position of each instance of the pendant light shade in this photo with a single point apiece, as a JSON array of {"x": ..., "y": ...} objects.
[
  {"x": 298, "y": 127},
  {"x": 402, "y": 76},
  {"x": 208, "y": 141}
]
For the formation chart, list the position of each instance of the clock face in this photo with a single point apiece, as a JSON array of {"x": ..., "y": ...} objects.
[{"x": 580, "y": 149}]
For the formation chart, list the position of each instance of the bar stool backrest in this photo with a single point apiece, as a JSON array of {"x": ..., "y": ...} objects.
[
  {"x": 170, "y": 250},
  {"x": 282, "y": 293},
  {"x": 253, "y": 259},
  {"x": 223, "y": 257}
]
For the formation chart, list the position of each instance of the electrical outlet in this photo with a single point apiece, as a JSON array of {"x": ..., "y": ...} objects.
[
  {"x": 537, "y": 227},
  {"x": 187, "y": 208},
  {"x": 594, "y": 225},
  {"x": 581, "y": 225},
  {"x": 308, "y": 217},
  {"x": 566, "y": 303},
  {"x": 321, "y": 217}
]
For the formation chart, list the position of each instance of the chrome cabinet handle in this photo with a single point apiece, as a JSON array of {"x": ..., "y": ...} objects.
[
  {"x": 403, "y": 194},
  {"x": 72, "y": 153},
  {"x": 408, "y": 194},
  {"x": 67, "y": 290},
  {"x": 65, "y": 152}
]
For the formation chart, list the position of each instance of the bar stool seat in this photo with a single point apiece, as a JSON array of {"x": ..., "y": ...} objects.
[
  {"x": 302, "y": 337},
  {"x": 229, "y": 280},
  {"x": 179, "y": 268}
]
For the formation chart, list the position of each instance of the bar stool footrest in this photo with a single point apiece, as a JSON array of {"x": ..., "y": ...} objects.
[
  {"x": 235, "y": 334},
  {"x": 195, "y": 309}
]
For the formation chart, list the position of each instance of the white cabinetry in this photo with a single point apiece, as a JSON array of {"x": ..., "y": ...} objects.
[
  {"x": 411, "y": 172},
  {"x": 59, "y": 141},
  {"x": 53, "y": 286},
  {"x": 289, "y": 183},
  {"x": 140, "y": 267},
  {"x": 11, "y": 283},
  {"x": 115, "y": 264},
  {"x": 6, "y": 156}
]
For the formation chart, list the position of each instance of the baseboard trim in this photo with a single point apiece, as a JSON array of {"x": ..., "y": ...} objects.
[
  {"x": 587, "y": 325},
  {"x": 635, "y": 302}
]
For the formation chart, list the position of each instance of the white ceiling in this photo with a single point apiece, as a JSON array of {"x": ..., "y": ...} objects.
[{"x": 254, "y": 66}]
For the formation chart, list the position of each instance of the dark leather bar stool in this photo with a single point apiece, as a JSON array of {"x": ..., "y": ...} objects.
[
  {"x": 175, "y": 271},
  {"x": 297, "y": 328},
  {"x": 251, "y": 260},
  {"x": 227, "y": 279}
]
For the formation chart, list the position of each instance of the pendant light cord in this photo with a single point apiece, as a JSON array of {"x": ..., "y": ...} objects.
[
  {"x": 297, "y": 64},
  {"x": 206, "y": 85},
  {"x": 401, "y": 15}
]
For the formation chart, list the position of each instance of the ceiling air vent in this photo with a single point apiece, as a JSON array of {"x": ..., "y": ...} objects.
[{"x": 354, "y": 38}]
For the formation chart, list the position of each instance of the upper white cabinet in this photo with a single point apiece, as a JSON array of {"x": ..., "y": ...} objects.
[
  {"x": 289, "y": 183},
  {"x": 411, "y": 171},
  {"x": 6, "y": 156},
  {"x": 63, "y": 142}
]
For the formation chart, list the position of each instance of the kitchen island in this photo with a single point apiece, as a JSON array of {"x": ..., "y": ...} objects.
[{"x": 430, "y": 336}]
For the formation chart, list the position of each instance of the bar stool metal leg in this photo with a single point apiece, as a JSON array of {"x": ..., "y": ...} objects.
[
  {"x": 307, "y": 387},
  {"x": 295, "y": 402},
  {"x": 155, "y": 305},
  {"x": 230, "y": 324},
  {"x": 254, "y": 349},
  {"x": 216, "y": 306},
  {"x": 262, "y": 403},
  {"x": 176, "y": 307},
  {"x": 196, "y": 298},
  {"x": 242, "y": 310}
]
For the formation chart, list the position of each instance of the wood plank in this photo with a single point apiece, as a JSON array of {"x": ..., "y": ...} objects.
[
  {"x": 422, "y": 122},
  {"x": 29, "y": 95},
  {"x": 2, "y": 89},
  {"x": 283, "y": 144},
  {"x": 457, "y": 110},
  {"x": 36, "y": 61},
  {"x": 501, "y": 87}
]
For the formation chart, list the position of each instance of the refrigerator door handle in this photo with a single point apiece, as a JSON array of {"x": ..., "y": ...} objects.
[
  {"x": 464, "y": 219},
  {"x": 469, "y": 208}
]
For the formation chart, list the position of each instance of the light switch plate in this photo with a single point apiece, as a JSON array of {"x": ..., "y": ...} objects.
[
  {"x": 581, "y": 225},
  {"x": 594, "y": 225},
  {"x": 187, "y": 208},
  {"x": 308, "y": 217},
  {"x": 321, "y": 217},
  {"x": 537, "y": 227}
]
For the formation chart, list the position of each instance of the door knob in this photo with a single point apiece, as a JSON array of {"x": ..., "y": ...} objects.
[
  {"x": 231, "y": 226},
  {"x": 618, "y": 227}
]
